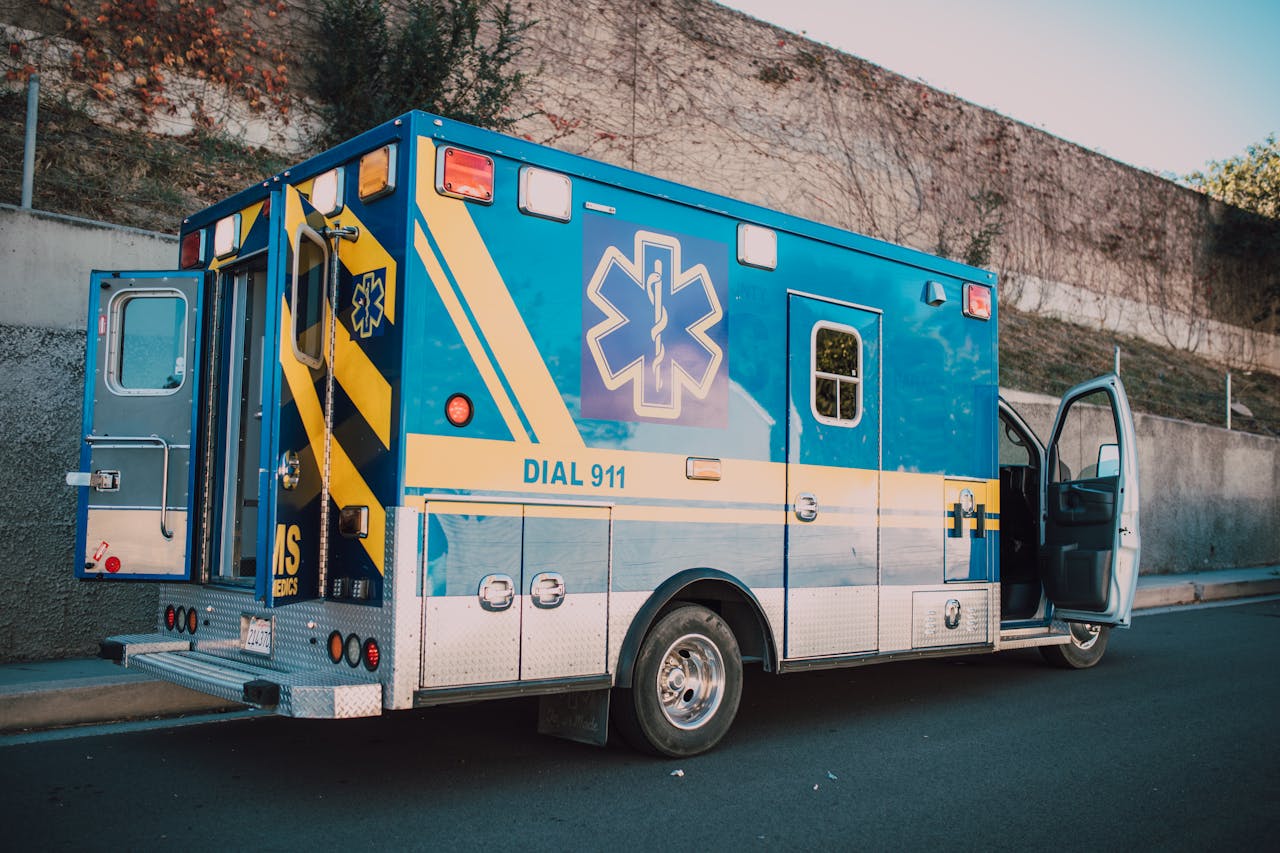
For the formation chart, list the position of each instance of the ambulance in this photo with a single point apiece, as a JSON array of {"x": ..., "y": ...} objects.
[{"x": 442, "y": 415}]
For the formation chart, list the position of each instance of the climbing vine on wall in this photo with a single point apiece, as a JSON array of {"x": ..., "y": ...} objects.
[{"x": 129, "y": 53}]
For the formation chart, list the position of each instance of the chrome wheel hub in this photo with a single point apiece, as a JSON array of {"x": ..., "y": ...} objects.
[
  {"x": 691, "y": 681},
  {"x": 1084, "y": 635}
]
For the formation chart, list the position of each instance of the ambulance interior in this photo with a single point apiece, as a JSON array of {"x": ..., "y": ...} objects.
[{"x": 1020, "y": 462}]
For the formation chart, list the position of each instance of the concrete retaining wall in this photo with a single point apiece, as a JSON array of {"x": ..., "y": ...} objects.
[{"x": 46, "y": 258}]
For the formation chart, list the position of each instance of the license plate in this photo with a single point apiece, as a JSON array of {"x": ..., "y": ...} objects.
[{"x": 256, "y": 635}]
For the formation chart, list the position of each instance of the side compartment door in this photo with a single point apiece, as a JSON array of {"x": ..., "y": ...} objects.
[
  {"x": 293, "y": 457},
  {"x": 833, "y": 478},
  {"x": 1089, "y": 560},
  {"x": 514, "y": 592},
  {"x": 141, "y": 377}
]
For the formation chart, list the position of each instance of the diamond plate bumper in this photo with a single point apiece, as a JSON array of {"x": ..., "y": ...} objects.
[{"x": 316, "y": 693}]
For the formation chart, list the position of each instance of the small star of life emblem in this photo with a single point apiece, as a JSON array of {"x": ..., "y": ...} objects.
[
  {"x": 367, "y": 303},
  {"x": 655, "y": 332}
]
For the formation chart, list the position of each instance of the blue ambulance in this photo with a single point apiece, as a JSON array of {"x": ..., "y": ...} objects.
[{"x": 442, "y": 415}]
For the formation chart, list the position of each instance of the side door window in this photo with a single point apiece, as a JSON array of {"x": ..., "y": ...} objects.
[{"x": 1088, "y": 445}]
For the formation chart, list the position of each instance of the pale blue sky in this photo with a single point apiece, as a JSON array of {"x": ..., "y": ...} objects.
[{"x": 1164, "y": 86}]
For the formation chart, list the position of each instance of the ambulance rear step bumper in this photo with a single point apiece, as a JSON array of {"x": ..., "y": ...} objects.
[{"x": 315, "y": 694}]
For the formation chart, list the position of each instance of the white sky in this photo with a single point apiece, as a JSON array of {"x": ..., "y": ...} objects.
[{"x": 1165, "y": 86}]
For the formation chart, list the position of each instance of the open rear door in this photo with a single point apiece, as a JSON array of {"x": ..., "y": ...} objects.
[
  {"x": 291, "y": 531},
  {"x": 135, "y": 475},
  {"x": 1089, "y": 560}
]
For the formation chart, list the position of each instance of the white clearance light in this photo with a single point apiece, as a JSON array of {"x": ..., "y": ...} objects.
[
  {"x": 226, "y": 236},
  {"x": 326, "y": 192},
  {"x": 545, "y": 194},
  {"x": 757, "y": 247}
]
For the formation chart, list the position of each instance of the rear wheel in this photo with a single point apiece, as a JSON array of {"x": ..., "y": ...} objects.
[
  {"x": 1088, "y": 643},
  {"x": 686, "y": 685}
]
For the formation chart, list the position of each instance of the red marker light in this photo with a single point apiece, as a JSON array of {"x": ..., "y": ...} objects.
[
  {"x": 192, "y": 250},
  {"x": 977, "y": 301},
  {"x": 468, "y": 175},
  {"x": 113, "y": 564},
  {"x": 170, "y": 617},
  {"x": 371, "y": 654},
  {"x": 459, "y": 410}
]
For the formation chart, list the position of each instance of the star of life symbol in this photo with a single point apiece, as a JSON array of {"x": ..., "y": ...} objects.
[
  {"x": 654, "y": 334},
  {"x": 367, "y": 307}
]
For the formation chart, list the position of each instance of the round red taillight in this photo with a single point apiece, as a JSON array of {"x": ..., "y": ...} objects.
[
  {"x": 181, "y": 619},
  {"x": 170, "y": 617},
  {"x": 371, "y": 654},
  {"x": 335, "y": 647},
  {"x": 113, "y": 564},
  {"x": 193, "y": 620},
  {"x": 459, "y": 410}
]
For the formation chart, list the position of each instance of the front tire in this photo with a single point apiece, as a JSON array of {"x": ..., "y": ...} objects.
[
  {"x": 686, "y": 685},
  {"x": 1088, "y": 644}
]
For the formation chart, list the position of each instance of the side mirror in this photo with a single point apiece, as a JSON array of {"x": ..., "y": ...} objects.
[{"x": 1108, "y": 460}]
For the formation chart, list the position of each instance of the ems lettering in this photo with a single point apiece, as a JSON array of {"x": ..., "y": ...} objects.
[
  {"x": 288, "y": 557},
  {"x": 558, "y": 472}
]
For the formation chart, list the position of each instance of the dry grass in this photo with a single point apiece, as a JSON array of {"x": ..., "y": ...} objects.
[
  {"x": 139, "y": 179},
  {"x": 1049, "y": 356}
]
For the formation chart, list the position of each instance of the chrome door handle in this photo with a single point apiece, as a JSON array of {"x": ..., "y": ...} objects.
[
  {"x": 547, "y": 590},
  {"x": 806, "y": 507},
  {"x": 497, "y": 592}
]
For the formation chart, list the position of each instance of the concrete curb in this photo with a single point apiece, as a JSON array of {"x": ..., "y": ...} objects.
[
  {"x": 75, "y": 693},
  {"x": 1173, "y": 590}
]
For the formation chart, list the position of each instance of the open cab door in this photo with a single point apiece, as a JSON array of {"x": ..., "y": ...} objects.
[{"x": 1089, "y": 560}]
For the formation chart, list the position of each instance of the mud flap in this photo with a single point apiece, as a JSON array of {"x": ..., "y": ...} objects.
[{"x": 582, "y": 717}]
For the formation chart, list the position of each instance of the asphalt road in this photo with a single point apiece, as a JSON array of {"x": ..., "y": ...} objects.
[{"x": 1171, "y": 743}]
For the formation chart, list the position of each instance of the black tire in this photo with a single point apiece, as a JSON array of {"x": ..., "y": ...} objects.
[
  {"x": 686, "y": 685},
  {"x": 1088, "y": 644}
]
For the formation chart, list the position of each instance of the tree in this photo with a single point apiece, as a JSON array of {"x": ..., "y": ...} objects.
[
  {"x": 1250, "y": 181},
  {"x": 451, "y": 57}
]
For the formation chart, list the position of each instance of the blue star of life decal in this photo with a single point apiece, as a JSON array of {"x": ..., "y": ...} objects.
[
  {"x": 654, "y": 326},
  {"x": 367, "y": 303}
]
